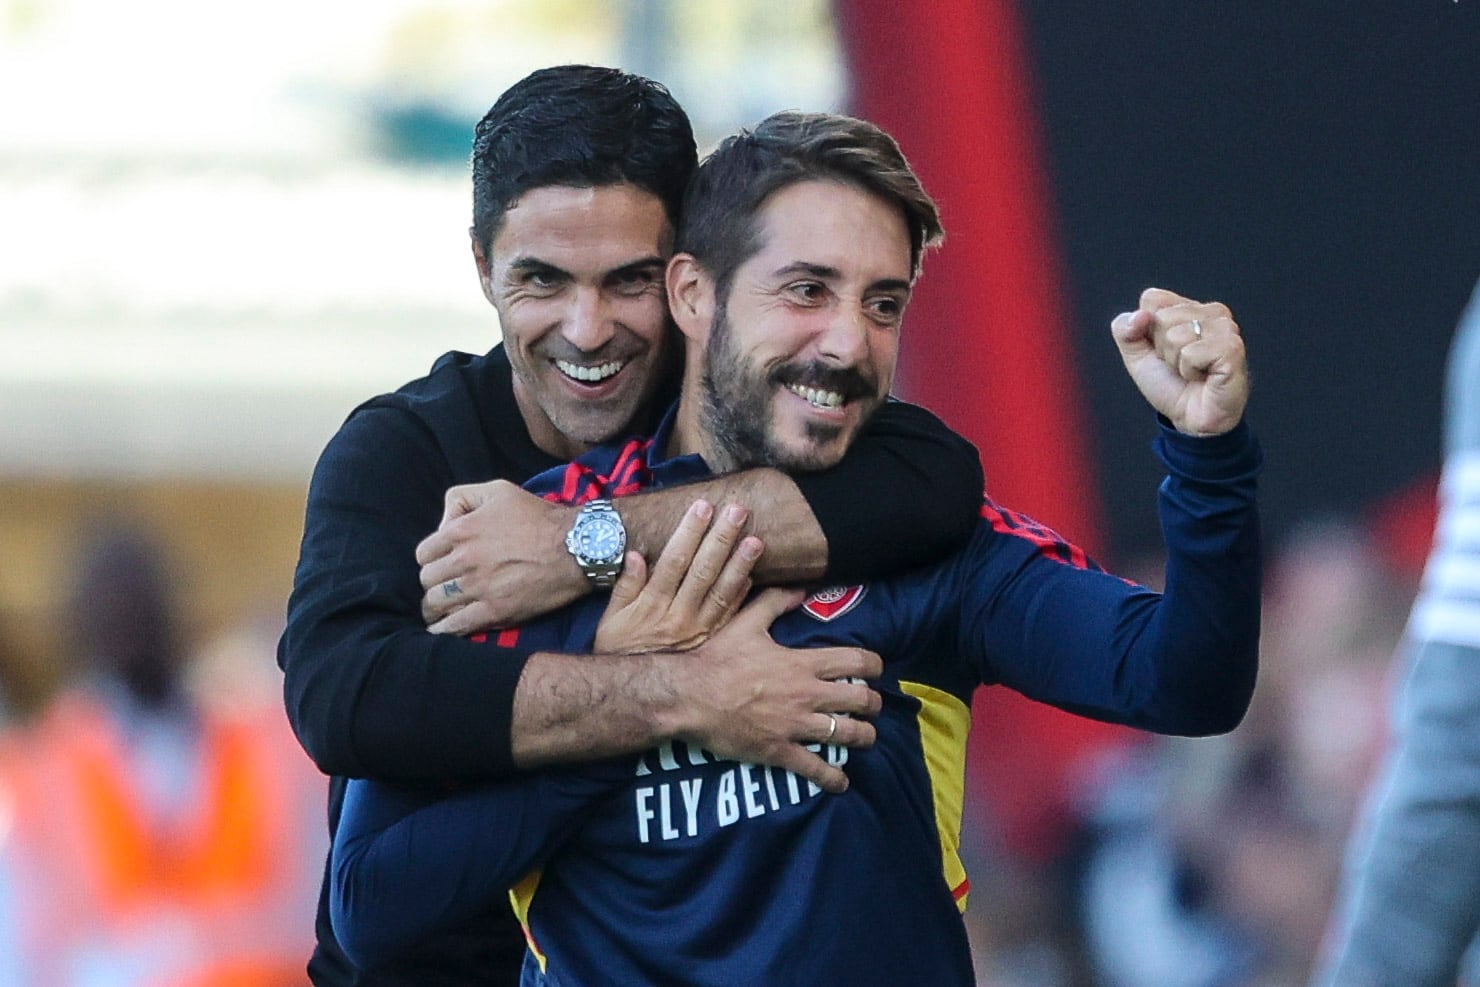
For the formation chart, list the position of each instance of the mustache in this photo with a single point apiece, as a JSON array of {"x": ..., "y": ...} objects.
[{"x": 851, "y": 382}]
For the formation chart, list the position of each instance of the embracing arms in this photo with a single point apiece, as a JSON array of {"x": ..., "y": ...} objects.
[
  {"x": 371, "y": 693},
  {"x": 503, "y": 548}
]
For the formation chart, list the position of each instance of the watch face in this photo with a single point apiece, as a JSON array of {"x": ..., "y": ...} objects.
[{"x": 599, "y": 539}]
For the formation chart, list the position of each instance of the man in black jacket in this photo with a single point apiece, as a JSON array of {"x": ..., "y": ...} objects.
[{"x": 578, "y": 176}]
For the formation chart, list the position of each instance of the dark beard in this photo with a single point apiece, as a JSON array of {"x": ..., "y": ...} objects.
[{"x": 737, "y": 405}]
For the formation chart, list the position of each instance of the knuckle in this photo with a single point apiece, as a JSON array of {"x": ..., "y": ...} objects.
[
  {"x": 722, "y": 536},
  {"x": 731, "y": 518},
  {"x": 803, "y": 761}
]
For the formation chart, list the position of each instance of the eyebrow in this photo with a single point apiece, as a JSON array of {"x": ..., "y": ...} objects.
[
  {"x": 825, "y": 273},
  {"x": 637, "y": 266},
  {"x": 802, "y": 267},
  {"x": 525, "y": 265}
]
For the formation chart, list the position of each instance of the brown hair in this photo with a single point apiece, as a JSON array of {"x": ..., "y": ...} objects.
[{"x": 718, "y": 227}]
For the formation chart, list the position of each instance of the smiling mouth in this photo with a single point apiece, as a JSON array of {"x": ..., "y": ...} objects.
[
  {"x": 817, "y": 397},
  {"x": 590, "y": 375}
]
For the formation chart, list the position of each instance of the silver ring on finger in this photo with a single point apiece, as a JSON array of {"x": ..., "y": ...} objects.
[
  {"x": 832, "y": 728},
  {"x": 1197, "y": 328}
]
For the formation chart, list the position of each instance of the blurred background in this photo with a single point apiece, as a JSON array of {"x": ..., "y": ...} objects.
[{"x": 221, "y": 227}]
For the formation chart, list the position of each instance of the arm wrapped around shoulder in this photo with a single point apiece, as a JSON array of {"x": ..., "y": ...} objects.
[{"x": 908, "y": 493}]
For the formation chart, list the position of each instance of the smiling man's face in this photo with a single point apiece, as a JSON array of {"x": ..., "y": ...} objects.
[
  {"x": 576, "y": 275},
  {"x": 803, "y": 348}
]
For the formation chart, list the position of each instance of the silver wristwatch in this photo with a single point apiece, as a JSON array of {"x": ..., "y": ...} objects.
[{"x": 598, "y": 540}]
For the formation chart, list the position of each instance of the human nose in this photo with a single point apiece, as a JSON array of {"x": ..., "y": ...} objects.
[
  {"x": 845, "y": 341},
  {"x": 588, "y": 324}
]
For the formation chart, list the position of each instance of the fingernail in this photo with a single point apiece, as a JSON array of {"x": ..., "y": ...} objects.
[
  {"x": 702, "y": 509},
  {"x": 751, "y": 548},
  {"x": 735, "y": 514}
]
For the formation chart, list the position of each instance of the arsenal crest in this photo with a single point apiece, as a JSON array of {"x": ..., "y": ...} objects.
[{"x": 834, "y": 601}]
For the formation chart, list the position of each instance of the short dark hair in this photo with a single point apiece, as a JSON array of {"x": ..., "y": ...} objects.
[
  {"x": 718, "y": 225},
  {"x": 582, "y": 126}
]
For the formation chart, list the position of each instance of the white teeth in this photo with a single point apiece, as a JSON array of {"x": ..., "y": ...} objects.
[
  {"x": 589, "y": 374},
  {"x": 818, "y": 398}
]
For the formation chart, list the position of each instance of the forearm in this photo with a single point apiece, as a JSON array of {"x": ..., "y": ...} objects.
[
  {"x": 796, "y": 550},
  {"x": 739, "y": 695},
  {"x": 1182, "y": 662},
  {"x": 368, "y": 691},
  {"x": 1191, "y": 657},
  {"x": 408, "y": 705},
  {"x": 908, "y": 493},
  {"x": 571, "y": 707},
  {"x": 407, "y": 864},
  {"x": 1207, "y": 625}
]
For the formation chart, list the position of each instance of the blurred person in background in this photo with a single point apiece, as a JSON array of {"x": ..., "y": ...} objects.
[
  {"x": 1409, "y": 911},
  {"x": 578, "y": 177},
  {"x": 150, "y": 840},
  {"x": 1213, "y": 863}
]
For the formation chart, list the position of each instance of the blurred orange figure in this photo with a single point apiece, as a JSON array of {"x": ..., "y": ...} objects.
[{"x": 146, "y": 839}]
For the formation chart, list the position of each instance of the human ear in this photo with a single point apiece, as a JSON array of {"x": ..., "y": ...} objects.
[{"x": 690, "y": 297}]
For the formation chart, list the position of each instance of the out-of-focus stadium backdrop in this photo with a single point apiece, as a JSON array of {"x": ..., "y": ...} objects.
[{"x": 222, "y": 226}]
